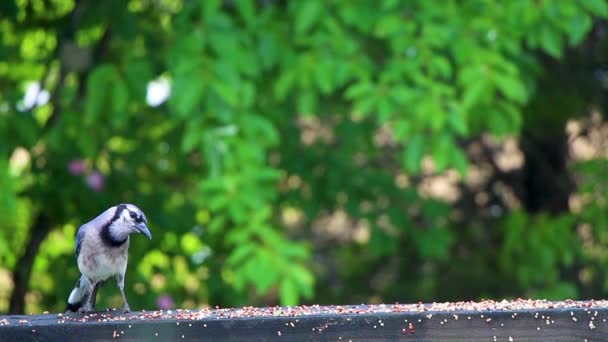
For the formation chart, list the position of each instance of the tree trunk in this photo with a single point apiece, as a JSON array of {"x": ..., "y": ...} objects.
[{"x": 23, "y": 268}]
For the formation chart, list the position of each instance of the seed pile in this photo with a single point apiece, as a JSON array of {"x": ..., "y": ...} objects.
[{"x": 314, "y": 310}]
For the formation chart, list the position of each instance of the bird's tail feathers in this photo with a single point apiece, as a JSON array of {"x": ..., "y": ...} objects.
[{"x": 78, "y": 294}]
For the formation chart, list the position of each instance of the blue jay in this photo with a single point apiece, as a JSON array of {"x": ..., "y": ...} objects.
[{"x": 102, "y": 251}]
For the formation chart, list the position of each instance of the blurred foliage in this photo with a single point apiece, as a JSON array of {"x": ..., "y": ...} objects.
[{"x": 287, "y": 163}]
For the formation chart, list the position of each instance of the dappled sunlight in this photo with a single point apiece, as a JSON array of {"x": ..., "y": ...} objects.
[
  {"x": 313, "y": 130},
  {"x": 443, "y": 187},
  {"x": 588, "y": 137},
  {"x": 6, "y": 288}
]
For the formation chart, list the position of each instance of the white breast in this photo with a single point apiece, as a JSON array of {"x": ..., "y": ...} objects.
[{"x": 99, "y": 262}]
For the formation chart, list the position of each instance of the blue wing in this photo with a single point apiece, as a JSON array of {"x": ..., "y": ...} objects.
[{"x": 79, "y": 237}]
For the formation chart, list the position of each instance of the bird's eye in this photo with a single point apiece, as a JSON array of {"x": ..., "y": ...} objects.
[{"x": 133, "y": 215}]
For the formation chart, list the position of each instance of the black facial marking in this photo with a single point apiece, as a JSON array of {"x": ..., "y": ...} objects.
[
  {"x": 106, "y": 237},
  {"x": 118, "y": 211},
  {"x": 137, "y": 217}
]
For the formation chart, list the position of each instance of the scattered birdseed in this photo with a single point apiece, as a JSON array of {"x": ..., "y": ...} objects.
[{"x": 420, "y": 311}]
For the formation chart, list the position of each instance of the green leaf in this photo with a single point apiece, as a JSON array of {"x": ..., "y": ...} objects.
[
  {"x": 441, "y": 66},
  {"x": 597, "y": 7},
  {"x": 474, "y": 94},
  {"x": 8, "y": 196},
  {"x": 259, "y": 127},
  {"x": 414, "y": 151},
  {"x": 580, "y": 26},
  {"x": 262, "y": 270},
  {"x": 442, "y": 151},
  {"x": 385, "y": 109},
  {"x": 513, "y": 88},
  {"x": 210, "y": 8},
  {"x": 120, "y": 99},
  {"x": 324, "y": 75},
  {"x": 284, "y": 84},
  {"x": 307, "y": 103},
  {"x": 307, "y": 14},
  {"x": 458, "y": 122},
  {"x": 499, "y": 124},
  {"x": 402, "y": 129},
  {"x": 551, "y": 41},
  {"x": 303, "y": 279},
  {"x": 381, "y": 243},
  {"x": 246, "y": 10},
  {"x": 289, "y": 293},
  {"x": 460, "y": 161},
  {"x": 434, "y": 243},
  {"x": 99, "y": 83},
  {"x": 241, "y": 253},
  {"x": 193, "y": 136},
  {"x": 138, "y": 74},
  {"x": 358, "y": 90},
  {"x": 186, "y": 95},
  {"x": 226, "y": 93},
  {"x": 388, "y": 25}
]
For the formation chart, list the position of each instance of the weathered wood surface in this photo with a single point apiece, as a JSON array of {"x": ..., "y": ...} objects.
[{"x": 585, "y": 321}]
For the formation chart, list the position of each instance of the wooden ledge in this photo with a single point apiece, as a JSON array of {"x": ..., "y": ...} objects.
[{"x": 519, "y": 320}]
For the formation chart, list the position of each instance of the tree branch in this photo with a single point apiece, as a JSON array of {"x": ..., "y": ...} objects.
[{"x": 23, "y": 268}]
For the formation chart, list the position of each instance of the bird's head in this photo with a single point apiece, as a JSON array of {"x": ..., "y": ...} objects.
[{"x": 130, "y": 219}]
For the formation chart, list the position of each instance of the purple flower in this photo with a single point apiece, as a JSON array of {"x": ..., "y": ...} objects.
[
  {"x": 165, "y": 302},
  {"x": 76, "y": 167},
  {"x": 95, "y": 181}
]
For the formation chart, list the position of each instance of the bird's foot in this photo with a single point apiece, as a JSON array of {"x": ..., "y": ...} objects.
[{"x": 126, "y": 309}]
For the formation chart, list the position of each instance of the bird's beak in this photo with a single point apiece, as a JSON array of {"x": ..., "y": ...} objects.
[{"x": 143, "y": 228}]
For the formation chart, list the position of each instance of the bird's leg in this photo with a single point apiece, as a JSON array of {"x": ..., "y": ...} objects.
[
  {"x": 86, "y": 307},
  {"x": 120, "y": 279},
  {"x": 94, "y": 294}
]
